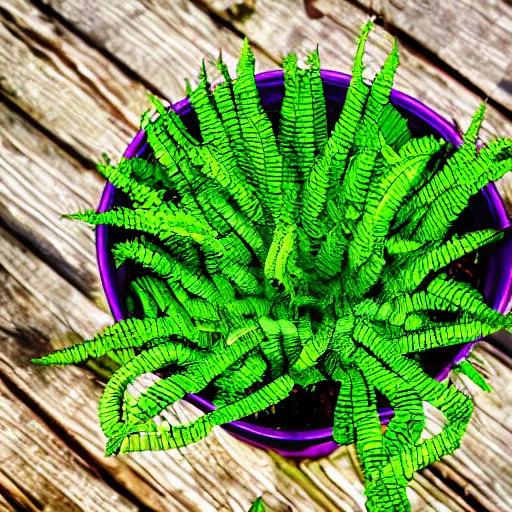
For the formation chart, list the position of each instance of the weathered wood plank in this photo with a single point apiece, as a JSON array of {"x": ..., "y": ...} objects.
[
  {"x": 38, "y": 183},
  {"x": 22, "y": 137},
  {"x": 27, "y": 155},
  {"x": 37, "y": 468},
  {"x": 72, "y": 91},
  {"x": 474, "y": 38},
  {"x": 136, "y": 473},
  {"x": 480, "y": 467},
  {"x": 38, "y": 180},
  {"x": 339, "y": 479},
  {"x": 77, "y": 93},
  {"x": 38, "y": 305},
  {"x": 219, "y": 474},
  {"x": 498, "y": 404},
  {"x": 163, "y": 42},
  {"x": 5, "y": 506}
]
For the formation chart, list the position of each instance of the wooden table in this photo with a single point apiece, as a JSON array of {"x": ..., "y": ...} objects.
[{"x": 73, "y": 80}]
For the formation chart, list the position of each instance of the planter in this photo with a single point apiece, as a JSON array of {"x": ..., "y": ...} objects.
[{"x": 487, "y": 210}]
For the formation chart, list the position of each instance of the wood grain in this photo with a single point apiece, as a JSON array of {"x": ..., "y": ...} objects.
[
  {"x": 38, "y": 183},
  {"x": 476, "y": 475},
  {"x": 80, "y": 79},
  {"x": 6, "y": 506},
  {"x": 82, "y": 97},
  {"x": 498, "y": 404},
  {"x": 37, "y": 304},
  {"x": 28, "y": 155},
  {"x": 271, "y": 29},
  {"x": 480, "y": 467},
  {"x": 339, "y": 479},
  {"x": 70, "y": 89},
  {"x": 38, "y": 468},
  {"x": 64, "y": 84},
  {"x": 162, "y": 42},
  {"x": 473, "y": 38}
]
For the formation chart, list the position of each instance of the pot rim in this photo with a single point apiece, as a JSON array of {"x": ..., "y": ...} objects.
[{"x": 275, "y": 78}]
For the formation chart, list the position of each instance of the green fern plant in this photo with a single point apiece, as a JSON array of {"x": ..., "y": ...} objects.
[{"x": 294, "y": 258}]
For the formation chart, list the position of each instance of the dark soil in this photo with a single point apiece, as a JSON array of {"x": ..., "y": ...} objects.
[{"x": 302, "y": 410}]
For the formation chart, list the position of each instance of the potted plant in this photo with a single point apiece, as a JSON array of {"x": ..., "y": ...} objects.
[{"x": 273, "y": 244}]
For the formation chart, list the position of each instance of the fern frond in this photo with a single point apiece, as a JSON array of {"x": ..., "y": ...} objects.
[
  {"x": 458, "y": 332},
  {"x": 266, "y": 171},
  {"x": 466, "y": 368},
  {"x": 232, "y": 384},
  {"x": 367, "y": 144},
  {"x": 259, "y": 506},
  {"x": 162, "y": 264},
  {"x": 176, "y": 130},
  {"x": 315, "y": 347},
  {"x": 394, "y": 127},
  {"x": 167, "y": 437},
  {"x": 124, "y": 334},
  {"x": 147, "y": 301},
  {"x": 327, "y": 171},
  {"x": 165, "y": 225},
  {"x": 408, "y": 422},
  {"x": 154, "y": 358},
  {"x": 220, "y": 164},
  {"x": 166, "y": 391},
  {"x": 343, "y": 425},
  {"x": 464, "y": 297},
  {"x": 406, "y": 274},
  {"x": 472, "y": 132},
  {"x": 272, "y": 346}
]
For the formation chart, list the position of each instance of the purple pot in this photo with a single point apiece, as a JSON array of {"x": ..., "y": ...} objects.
[{"x": 422, "y": 120}]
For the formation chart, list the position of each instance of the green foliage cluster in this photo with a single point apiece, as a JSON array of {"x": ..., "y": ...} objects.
[{"x": 294, "y": 258}]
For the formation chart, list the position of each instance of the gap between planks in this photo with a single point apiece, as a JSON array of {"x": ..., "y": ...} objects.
[{"x": 470, "y": 39}]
